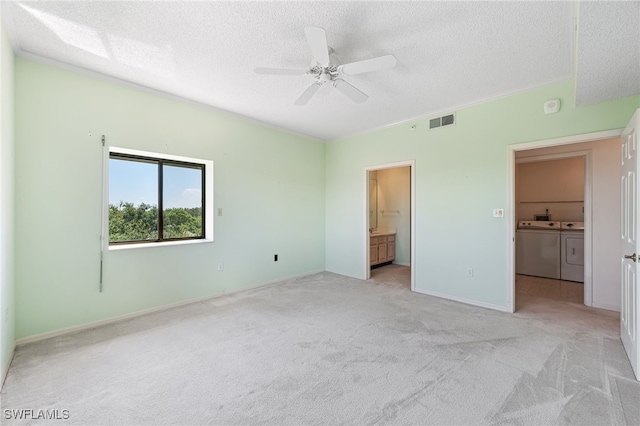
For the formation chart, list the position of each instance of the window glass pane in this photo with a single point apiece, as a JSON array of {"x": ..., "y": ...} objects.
[
  {"x": 182, "y": 202},
  {"x": 133, "y": 200}
]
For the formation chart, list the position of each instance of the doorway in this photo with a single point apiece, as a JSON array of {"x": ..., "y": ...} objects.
[
  {"x": 601, "y": 265},
  {"x": 389, "y": 213},
  {"x": 550, "y": 190}
]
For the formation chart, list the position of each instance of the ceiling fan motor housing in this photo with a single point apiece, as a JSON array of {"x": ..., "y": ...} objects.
[{"x": 324, "y": 74}]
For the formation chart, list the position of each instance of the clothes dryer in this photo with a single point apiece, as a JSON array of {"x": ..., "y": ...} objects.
[{"x": 572, "y": 251}]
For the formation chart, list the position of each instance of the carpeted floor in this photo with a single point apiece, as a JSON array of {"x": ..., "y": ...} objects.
[{"x": 327, "y": 349}]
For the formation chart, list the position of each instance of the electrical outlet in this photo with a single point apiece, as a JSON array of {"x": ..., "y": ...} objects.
[
  {"x": 220, "y": 266},
  {"x": 469, "y": 272},
  {"x": 498, "y": 212}
]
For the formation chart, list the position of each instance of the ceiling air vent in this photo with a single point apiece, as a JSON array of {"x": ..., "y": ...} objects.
[{"x": 445, "y": 120}]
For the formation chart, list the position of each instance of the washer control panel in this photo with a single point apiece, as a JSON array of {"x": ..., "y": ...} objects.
[
  {"x": 577, "y": 226},
  {"x": 538, "y": 224}
]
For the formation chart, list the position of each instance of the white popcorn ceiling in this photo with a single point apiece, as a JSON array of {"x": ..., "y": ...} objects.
[
  {"x": 449, "y": 54},
  {"x": 609, "y": 53}
]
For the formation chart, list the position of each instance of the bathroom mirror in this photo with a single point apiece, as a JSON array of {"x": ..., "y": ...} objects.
[{"x": 373, "y": 200}]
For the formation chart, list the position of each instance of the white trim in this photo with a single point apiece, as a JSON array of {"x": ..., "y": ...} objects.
[
  {"x": 588, "y": 218},
  {"x": 208, "y": 199},
  {"x": 7, "y": 364},
  {"x": 454, "y": 108},
  {"x": 607, "y": 307},
  {"x": 83, "y": 71},
  {"x": 99, "y": 323},
  {"x": 402, "y": 263},
  {"x": 566, "y": 140},
  {"x": 463, "y": 300},
  {"x": 412, "y": 165},
  {"x": 160, "y": 155},
  {"x": 118, "y": 247},
  {"x": 136, "y": 86},
  {"x": 511, "y": 159}
]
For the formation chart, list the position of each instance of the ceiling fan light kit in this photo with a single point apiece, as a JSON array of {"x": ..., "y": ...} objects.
[{"x": 323, "y": 71}]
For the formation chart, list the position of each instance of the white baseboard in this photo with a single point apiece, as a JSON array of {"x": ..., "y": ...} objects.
[
  {"x": 463, "y": 300},
  {"x": 5, "y": 367},
  {"x": 94, "y": 324},
  {"x": 402, "y": 263},
  {"x": 605, "y": 306}
]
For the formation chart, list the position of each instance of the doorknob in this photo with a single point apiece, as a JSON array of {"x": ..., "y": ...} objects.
[{"x": 630, "y": 256}]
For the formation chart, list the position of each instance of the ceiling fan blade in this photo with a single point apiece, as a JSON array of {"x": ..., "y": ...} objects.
[
  {"x": 349, "y": 91},
  {"x": 279, "y": 71},
  {"x": 373, "y": 64},
  {"x": 317, "y": 39},
  {"x": 307, "y": 94}
]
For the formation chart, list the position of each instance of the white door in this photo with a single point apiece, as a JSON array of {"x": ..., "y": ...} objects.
[{"x": 629, "y": 319}]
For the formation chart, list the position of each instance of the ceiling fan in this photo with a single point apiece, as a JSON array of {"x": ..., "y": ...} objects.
[{"x": 323, "y": 71}]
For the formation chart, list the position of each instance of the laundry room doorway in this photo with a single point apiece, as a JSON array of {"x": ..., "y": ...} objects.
[
  {"x": 550, "y": 191},
  {"x": 538, "y": 203},
  {"x": 389, "y": 210}
]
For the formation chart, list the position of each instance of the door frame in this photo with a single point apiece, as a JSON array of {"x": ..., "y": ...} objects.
[
  {"x": 587, "y": 200},
  {"x": 511, "y": 162},
  {"x": 412, "y": 225}
]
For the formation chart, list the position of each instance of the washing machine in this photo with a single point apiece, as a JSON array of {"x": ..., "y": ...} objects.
[
  {"x": 572, "y": 251},
  {"x": 538, "y": 249}
]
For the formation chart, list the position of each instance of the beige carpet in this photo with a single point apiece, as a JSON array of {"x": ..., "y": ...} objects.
[{"x": 327, "y": 349}]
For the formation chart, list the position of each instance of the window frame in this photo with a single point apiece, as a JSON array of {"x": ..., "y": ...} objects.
[{"x": 206, "y": 167}]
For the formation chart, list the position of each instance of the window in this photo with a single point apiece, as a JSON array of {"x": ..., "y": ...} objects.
[{"x": 158, "y": 199}]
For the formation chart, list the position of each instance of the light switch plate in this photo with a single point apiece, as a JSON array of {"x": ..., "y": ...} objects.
[{"x": 498, "y": 212}]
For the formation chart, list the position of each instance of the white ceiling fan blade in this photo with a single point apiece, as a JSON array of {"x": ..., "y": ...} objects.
[
  {"x": 373, "y": 64},
  {"x": 307, "y": 94},
  {"x": 317, "y": 39},
  {"x": 279, "y": 71},
  {"x": 349, "y": 91}
]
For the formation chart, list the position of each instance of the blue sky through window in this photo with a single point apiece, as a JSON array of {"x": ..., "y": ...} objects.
[
  {"x": 182, "y": 187},
  {"x": 137, "y": 182}
]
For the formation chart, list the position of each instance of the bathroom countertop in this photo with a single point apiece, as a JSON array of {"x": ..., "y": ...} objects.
[{"x": 381, "y": 233}]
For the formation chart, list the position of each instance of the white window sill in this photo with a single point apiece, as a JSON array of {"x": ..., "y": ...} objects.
[{"x": 163, "y": 244}]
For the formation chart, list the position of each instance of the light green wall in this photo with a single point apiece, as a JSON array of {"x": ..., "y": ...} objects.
[
  {"x": 7, "y": 277},
  {"x": 461, "y": 175},
  {"x": 280, "y": 193},
  {"x": 270, "y": 185}
]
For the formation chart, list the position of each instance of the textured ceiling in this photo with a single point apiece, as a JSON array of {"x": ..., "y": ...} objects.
[
  {"x": 449, "y": 53},
  {"x": 608, "y": 53}
]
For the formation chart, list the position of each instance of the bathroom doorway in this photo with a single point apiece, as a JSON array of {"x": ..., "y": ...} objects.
[{"x": 390, "y": 223}]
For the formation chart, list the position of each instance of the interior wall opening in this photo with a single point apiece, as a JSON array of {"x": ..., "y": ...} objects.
[
  {"x": 550, "y": 218},
  {"x": 389, "y": 222},
  {"x": 566, "y": 219}
]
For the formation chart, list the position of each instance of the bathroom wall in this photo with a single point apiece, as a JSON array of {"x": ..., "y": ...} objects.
[
  {"x": 556, "y": 185},
  {"x": 394, "y": 208}
]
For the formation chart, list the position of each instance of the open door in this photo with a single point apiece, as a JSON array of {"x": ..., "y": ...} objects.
[{"x": 629, "y": 319}]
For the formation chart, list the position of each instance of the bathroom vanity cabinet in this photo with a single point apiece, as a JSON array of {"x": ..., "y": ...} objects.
[{"x": 382, "y": 248}]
